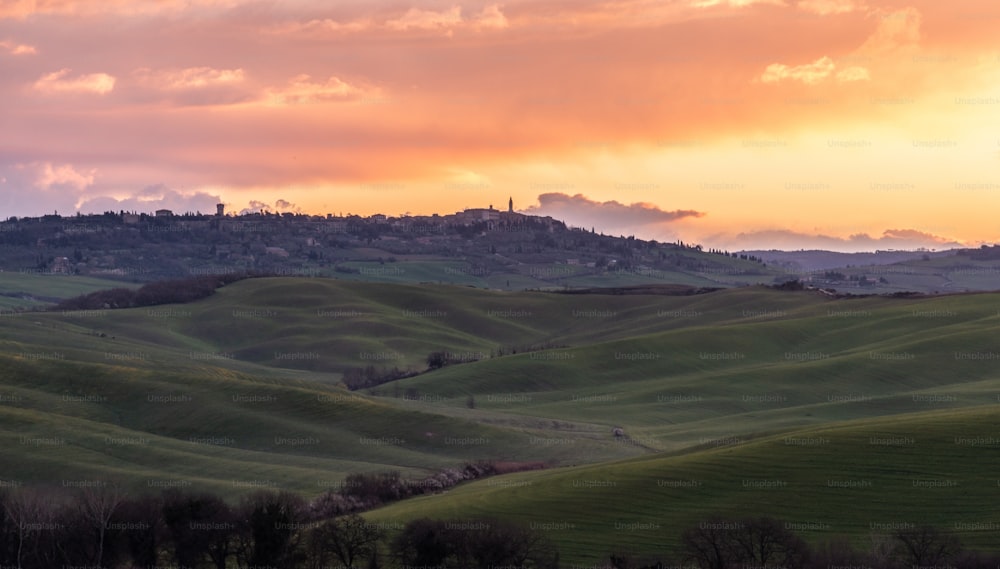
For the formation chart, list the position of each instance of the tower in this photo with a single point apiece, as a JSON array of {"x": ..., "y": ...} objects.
[
  {"x": 510, "y": 205},
  {"x": 220, "y": 209}
]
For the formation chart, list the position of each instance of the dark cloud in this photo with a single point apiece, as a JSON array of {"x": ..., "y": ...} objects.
[
  {"x": 152, "y": 198},
  {"x": 788, "y": 240},
  {"x": 286, "y": 206},
  {"x": 610, "y": 216},
  {"x": 256, "y": 206}
]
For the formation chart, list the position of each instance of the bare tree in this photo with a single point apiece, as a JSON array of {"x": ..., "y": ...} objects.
[
  {"x": 882, "y": 547},
  {"x": 709, "y": 544},
  {"x": 764, "y": 541},
  {"x": 350, "y": 538},
  {"x": 97, "y": 505},
  {"x": 29, "y": 512},
  {"x": 722, "y": 543},
  {"x": 926, "y": 546}
]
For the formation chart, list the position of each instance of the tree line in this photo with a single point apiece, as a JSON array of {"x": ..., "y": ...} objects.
[
  {"x": 102, "y": 528},
  {"x": 173, "y": 291},
  {"x": 741, "y": 543}
]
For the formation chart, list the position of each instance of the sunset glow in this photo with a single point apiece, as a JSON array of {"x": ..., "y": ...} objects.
[{"x": 838, "y": 124}]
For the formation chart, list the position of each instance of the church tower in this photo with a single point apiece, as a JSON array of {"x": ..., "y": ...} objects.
[{"x": 510, "y": 205}]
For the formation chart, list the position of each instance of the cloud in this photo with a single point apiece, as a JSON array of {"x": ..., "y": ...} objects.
[
  {"x": 302, "y": 90},
  {"x": 14, "y": 48},
  {"x": 27, "y": 189},
  {"x": 150, "y": 199},
  {"x": 613, "y": 216},
  {"x": 37, "y": 188},
  {"x": 853, "y": 74},
  {"x": 18, "y": 9},
  {"x": 65, "y": 175},
  {"x": 809, "y": 73},
  {"x": 415, "y": 18},
  {"x": 21, "y": 9},
  {"x": 830, "y": 7},
  {"x": 789, "y": 240},
  {"x": 735, "y": 3},
  {"x": 256, "y": 206},
  {"x": 813, "y": 73},
  {"x": 896, "y": 30},
  {"x": 491, "y": 17},
  {"x": 58, "y": 82},
  {"x": 189, "y": 78},
  {"x": 322, "y": 25},
  {"x": 285, "y": 206}
]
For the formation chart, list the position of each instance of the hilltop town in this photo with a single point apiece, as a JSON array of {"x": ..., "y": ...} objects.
[{"x": 469, "y": 245}]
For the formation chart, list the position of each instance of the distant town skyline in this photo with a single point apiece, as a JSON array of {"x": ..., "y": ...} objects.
[{"x": 847, "y": 125}]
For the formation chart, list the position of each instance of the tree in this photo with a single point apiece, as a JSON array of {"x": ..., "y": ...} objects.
[
  {"x": 764, "y": 541},
  {"x": 350, "y": 538},
  {"x": 708, "y": 545},
  {"x": 97, "y": 505},
  {"x": 926, "y": 546},
  {"x": 423, "y": 543},
  {"x": 437, "y": 360},
  {"x": 720, "y": 544},
  {"x": 201, "y": 526},
  {"x": 504, "y": 543},
  {"x": 146, "y": 533},
  {"x": 473, "y": 543},
  {"x": 271, "y": 523}
]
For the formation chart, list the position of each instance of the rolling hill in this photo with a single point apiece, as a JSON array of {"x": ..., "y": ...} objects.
[{"x": 242, "y": 390}]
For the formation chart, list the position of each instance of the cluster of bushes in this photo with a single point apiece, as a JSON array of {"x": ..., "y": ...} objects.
[
  {"x": 472, "y": 543},
  {"x": 526, "y": 348},
  {"x": 720, "y": 543},
  {"x": 155, "y": 293},
  {"x": 370, "y": 376},
  {"x": 437, "y": 360},
  {"x": 365, "y": 491},
  {"x": 790, "y": 284},
  {"x": 103, "y": 529}
]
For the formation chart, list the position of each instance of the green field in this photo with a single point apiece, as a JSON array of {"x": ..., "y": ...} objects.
[
  {"x": 850, "y": 479},
  {"x": 242, "y": 390},
  {"x": 21, "y": 291}
]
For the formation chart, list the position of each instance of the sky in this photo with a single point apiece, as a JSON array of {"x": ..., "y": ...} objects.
[{"x": 739, "y": 124}]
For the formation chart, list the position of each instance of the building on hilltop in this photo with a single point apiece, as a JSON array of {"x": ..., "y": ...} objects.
[{"x": 476, "y": 215}]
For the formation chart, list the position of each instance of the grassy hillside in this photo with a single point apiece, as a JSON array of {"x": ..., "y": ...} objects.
[
  {"x": 253, "y": 371},
  {"x": 21, "y": 291},
  {"x": 850, "y": 479},
  {"x": 748, "y": 360}
]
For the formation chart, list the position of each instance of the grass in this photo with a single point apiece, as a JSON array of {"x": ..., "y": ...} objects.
[
  {"x": 847, "y": 479},
  {"x": 241, "y": 389},
  {"x": 27, "y": 290}
]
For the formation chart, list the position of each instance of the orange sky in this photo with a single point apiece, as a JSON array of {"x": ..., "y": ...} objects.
[{"x": 845, "y": 124}]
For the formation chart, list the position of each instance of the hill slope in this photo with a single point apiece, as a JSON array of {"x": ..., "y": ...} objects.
[
  {"x": 851, "y": 479},
  {"x": 253, "y": 371}
]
